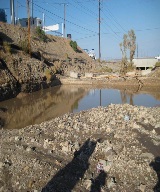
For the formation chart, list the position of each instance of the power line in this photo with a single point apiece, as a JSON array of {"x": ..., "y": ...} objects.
[
  {"x": 66, "y": 19},
  {"x": 93, "y": 13},
  {"x": 52, "y": 4},
  {"x": 87, "y": 37},
  {"x": 60, "y": 17},
  {"x": 114, "y": 19},
  {"x": 86, "y": 8},
  {"x": 37, "y": 10},
  {"x": 74, "y": 23}
]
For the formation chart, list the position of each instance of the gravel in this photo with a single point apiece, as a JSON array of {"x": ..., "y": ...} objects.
[{"x": 114, "y": 148}]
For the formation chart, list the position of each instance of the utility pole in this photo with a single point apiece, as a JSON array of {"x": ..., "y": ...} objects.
[
  {"x": 32, "y": 11},
  {"x": 12, "y": 12},
  {"x": 29, "y": 27},
  {"x": 44, "y": 22},
  {"x": 137, "y": 50},
  {"x": 17, "y": 13},
  {"x": 99, "y": 34},
  {"x": 64, "y": 23}
]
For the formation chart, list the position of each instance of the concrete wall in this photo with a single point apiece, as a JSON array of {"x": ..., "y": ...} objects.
[
  {"x": 88, "y": 74},
  {"x": 145, "y": 62},
  {"x": 73, "y": 74}
]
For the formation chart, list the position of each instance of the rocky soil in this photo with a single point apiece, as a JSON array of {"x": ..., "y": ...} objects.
[
  {"x": 24, "y": 72},
  {"x": 114, "y": 148}
]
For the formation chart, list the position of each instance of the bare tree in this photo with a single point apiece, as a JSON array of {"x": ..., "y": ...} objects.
[
  {"x": 132, "y": 44},
  {"x": 129, "y": 42},
  {"x": 123, "y": 47}
]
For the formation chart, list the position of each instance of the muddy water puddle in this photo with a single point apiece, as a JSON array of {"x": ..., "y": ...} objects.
[{"x": 53, "y": 102}]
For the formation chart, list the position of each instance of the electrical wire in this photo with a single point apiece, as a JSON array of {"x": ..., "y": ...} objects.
[{"x": 66, "y": 20}]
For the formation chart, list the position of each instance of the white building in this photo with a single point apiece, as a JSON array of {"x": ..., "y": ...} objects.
[{"x": 36, "y": 22}]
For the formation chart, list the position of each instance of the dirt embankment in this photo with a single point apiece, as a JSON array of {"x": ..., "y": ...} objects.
[{"x": 23, "y": 72}]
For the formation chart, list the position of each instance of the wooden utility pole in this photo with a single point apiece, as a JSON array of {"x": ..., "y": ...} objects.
[{"x": 29, "y": 27}]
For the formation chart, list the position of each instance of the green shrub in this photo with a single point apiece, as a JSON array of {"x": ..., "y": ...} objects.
[
  {"x": 24, "y": 45},
  {"x": 66, "y": 55},
  {"x": 7, "y": 47},
  {"x": 41, "y": 34},
  {"x": 106, "y": 69},
  {"x": 157, "y": 64},
  {"x": 50, "y": 74},
  {"x": 57, "y": 67},
  {"x": 73, "y": 44}
]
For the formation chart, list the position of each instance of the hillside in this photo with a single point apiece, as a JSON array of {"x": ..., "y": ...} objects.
[{"x": 24, "y": 72}]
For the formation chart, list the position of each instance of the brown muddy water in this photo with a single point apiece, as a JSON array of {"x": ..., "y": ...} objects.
[{"x": 46, "y": 104}]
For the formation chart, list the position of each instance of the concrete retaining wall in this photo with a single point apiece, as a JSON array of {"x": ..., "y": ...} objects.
[
  {"x": 73, "y": 74},
  {"x": 145, "y": 62},
  {"x": 88, "y": 74}
]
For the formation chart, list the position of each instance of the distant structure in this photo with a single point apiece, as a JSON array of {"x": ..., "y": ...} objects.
[
  {"x": 51, "y": 28},
  {"x": 35, "y": 22},
  {"x": 91, "y": 53},
  {"x": 69, "y": 36},
  {"x": 144, "y": 63},
  {"x": 3, "y": 16},
  {"x": 158, "y": 58}
]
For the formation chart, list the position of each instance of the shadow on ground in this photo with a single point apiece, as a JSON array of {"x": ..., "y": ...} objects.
[
  {"x": 66, "y": 179},
  {"x": 156, "y": 167},
  {"x": 98, "y": 182}
]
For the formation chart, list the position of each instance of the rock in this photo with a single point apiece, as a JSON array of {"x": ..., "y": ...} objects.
[
  {"x": 157, "y": 125},
  {"x": 87, "y": 184},
  {"x": 17, "y": 138},
  {"x": 1, "y": 165},
  {"x": 28, "y": 149},
  {"x": 142, "y": 188},
  {"x": 146, "y": 121},
  {"x": 109, "y": 154},
  {"x": 66, "y": 147},
  {"x": 108, "y": 166},
  {"x": 111, "y": 182},
  {"x": 136, "y": 126},
  {"x": 147, "y": 155},
  {"x": 76, "y": 145},
  {"x": 153, "y": 131}
]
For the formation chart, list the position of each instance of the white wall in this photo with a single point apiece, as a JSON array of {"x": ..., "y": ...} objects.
[{"x": 145, "y": 62}]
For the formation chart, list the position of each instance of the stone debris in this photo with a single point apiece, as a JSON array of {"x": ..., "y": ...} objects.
[{"x": 93, "y": 150}]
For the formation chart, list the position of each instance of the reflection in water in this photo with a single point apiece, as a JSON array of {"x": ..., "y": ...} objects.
[
  {"x": 53, "y": 102},
  {"x": 124, "y": 96},
  {"x": 40, "y": 106}
]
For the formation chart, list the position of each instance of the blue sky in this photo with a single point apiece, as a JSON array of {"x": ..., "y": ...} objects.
[{"x": 117, "y": 18}]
